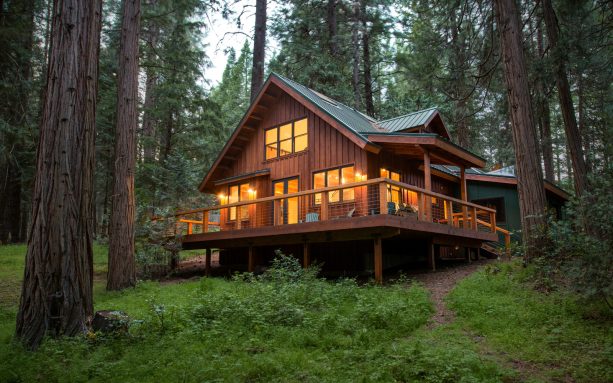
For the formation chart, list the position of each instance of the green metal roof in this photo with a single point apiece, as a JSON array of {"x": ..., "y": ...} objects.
[{"x": 408, "y": 121}]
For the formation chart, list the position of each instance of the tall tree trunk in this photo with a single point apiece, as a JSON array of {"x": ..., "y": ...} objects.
[
  {"x": 368, "y": 98},
  {"x": 459, "y": 78},
  {"x": 56, "y": 297},
  {"x": 529, "y": 175},
  {"x": 544, "y": 111},
  {"x": 583, "y": 128},
  {"x": 152, "y": 36},
  {"x": 122, "y": 269},
  {"x": 573, "y": 136},
  {"x": 332, "y": 28},
  {"x": 259, "y": 48},
  {"x": 355, "y": 42}
]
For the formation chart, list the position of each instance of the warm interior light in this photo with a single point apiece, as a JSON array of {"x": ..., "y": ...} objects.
[
  {"x": 250, "y": 191},
  {"x": 221, "y": 196},
  {"x": 343, "y": 180}
]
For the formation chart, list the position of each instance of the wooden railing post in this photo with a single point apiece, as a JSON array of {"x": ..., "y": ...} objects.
[
  {"x": 205, "y": 221},
  {"x": 421, "y": 207},
  {"x": 493, "y": 221},
  {"x": 324, "y": 206},
  {"x": 190, "y": 228},
  {"x": 276, "y": 212},
  {"x": 382, "y": 198},
  {"x": 474, "y": 222},
  {"x": 449, "y": 212}
]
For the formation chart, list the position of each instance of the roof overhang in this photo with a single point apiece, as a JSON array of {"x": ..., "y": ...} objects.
[
  {"x": 413, "y": 145},
  {"x": 550, "y": 187}
]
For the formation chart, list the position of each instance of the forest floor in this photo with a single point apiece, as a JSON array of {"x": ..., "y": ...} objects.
[{"x": 481, "y": 322}]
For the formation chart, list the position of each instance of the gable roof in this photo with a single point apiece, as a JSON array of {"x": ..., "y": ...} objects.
[{"x": 354, "y": 124}]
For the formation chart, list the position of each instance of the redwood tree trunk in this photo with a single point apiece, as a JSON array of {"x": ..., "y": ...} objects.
[
  {"x": 150, "y": 88},
  {"x": 529, "y": 175},
  {"x": 56, "y": 296},
  {"x": 370, "y": 107},
  {"x": 356, "y": 55},
  {"x": 544, "y": 113},
  {"x": 573, "y": 136},
  {"x": 259, "y": 48},
  {"x": 122, "y": 270},
  {"x": 332, "y": 28}
]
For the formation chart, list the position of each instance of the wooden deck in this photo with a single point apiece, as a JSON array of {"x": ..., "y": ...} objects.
[{"x": 380, "y": 209}]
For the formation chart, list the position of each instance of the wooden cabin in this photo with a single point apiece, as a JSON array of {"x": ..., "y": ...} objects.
[{"x": 320, "y": 180}]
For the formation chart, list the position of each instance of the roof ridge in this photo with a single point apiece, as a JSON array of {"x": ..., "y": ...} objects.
[{"x": 408, "y": 114}]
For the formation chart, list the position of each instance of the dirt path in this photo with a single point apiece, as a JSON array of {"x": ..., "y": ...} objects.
[{"x": 440, "y": 283}]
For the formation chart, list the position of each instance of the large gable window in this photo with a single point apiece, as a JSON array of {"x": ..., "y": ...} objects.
[
  {"x": 287, "y": 139},
  {"x": 393, "y": 191}
]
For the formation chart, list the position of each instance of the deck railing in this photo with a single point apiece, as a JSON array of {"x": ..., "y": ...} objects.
[{"x": 364, "y": 198}]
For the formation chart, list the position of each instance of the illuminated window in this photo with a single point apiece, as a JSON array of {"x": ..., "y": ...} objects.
[
  {"x": 287, "y": 139},
  {"x": 335, "y": 177},
  {"x": 393, "y": 191},
  {"x": 238, "y": 193}
]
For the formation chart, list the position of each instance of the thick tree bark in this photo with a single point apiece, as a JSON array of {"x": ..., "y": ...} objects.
[
  {"x": 355, "y": 42},
  {"x": 368, "y": 98},
  {"x": 152, "y": 37},
  {"x": 529, "y": 175},
  {"x": 122, "y": 269},
  {"x": 56, "y": 297},
  {"x": 259, "y": 48},
  {"x": 332, "y": 28},
  {"x": 544, "y": 112},
  {"x": 573, "y": 136}
]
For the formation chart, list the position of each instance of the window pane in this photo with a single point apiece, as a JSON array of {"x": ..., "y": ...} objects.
[
  {"x": 233, "y": 197},
  {"x": 348, "y": 175},
  {"x": 244, "y": 192},
  {"x": 271, "y": 151},
  {"x": 395, "y": 176},
  {"x": 348, "y": 194},
  {"x": 292, "y": 186},
  {"x": 285, "y": 132},
  {"x": 279, "y": 186},
  {"x": 319, "y": 180},
  {"x": 271, "y": 136},
  {"x": 333, "y": 177},
  {"x": 317, "y": 198},
  {"x": 285, "y": 147},
  {"x": 334, "y": 196},
  {"x": 384, "y": 173},
  {"x": 395, "y": 194},
  {"x": 300, "y": 127},
  {"x": 301, "y": 143}
]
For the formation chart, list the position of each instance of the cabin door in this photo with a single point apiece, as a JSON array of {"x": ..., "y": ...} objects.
[{"x": 286, "y": 210}]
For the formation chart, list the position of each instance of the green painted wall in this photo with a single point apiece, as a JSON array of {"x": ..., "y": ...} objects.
[{"x": 481, "y": 190}]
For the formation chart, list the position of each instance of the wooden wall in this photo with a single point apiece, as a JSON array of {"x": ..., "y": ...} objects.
[{"x": 328, "y": 148}]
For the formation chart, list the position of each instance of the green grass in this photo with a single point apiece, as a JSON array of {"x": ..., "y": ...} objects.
[
  {"x": 293, "y": 327},
  {"x": 558, "y": 334}
]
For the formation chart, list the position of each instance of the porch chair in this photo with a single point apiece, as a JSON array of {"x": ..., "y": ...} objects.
[
  {"x": 391, "y": 208},
  {"x": 312, "y": 217}
]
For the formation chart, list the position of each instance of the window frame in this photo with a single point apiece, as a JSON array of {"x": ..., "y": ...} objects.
[
  {"x": 238, "y": 213},
  {"x": 292, "y": 138},
  {"x": 341, "y": 194}
]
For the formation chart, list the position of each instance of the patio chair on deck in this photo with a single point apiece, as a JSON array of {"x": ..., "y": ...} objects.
[
  {"x": 312, "y": 217},
  {"x": 391, "y": 208}
]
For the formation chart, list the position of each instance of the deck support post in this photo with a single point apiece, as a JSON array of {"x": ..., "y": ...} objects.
[
  {"x": 251, "y": 260},
  {"x": 427, "y": 185},
  {"x": 306, "y": 256},
  {"x": 464, "y": 196},
  {"x": 378, "y": 260},
  {"x": 431, "y": 261},
  {"x": 468, "y": 255},
  {"x": 207, "y": 262}
]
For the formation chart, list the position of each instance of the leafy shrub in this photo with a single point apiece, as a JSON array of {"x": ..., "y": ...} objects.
[{"x": 581, "y": 253}]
